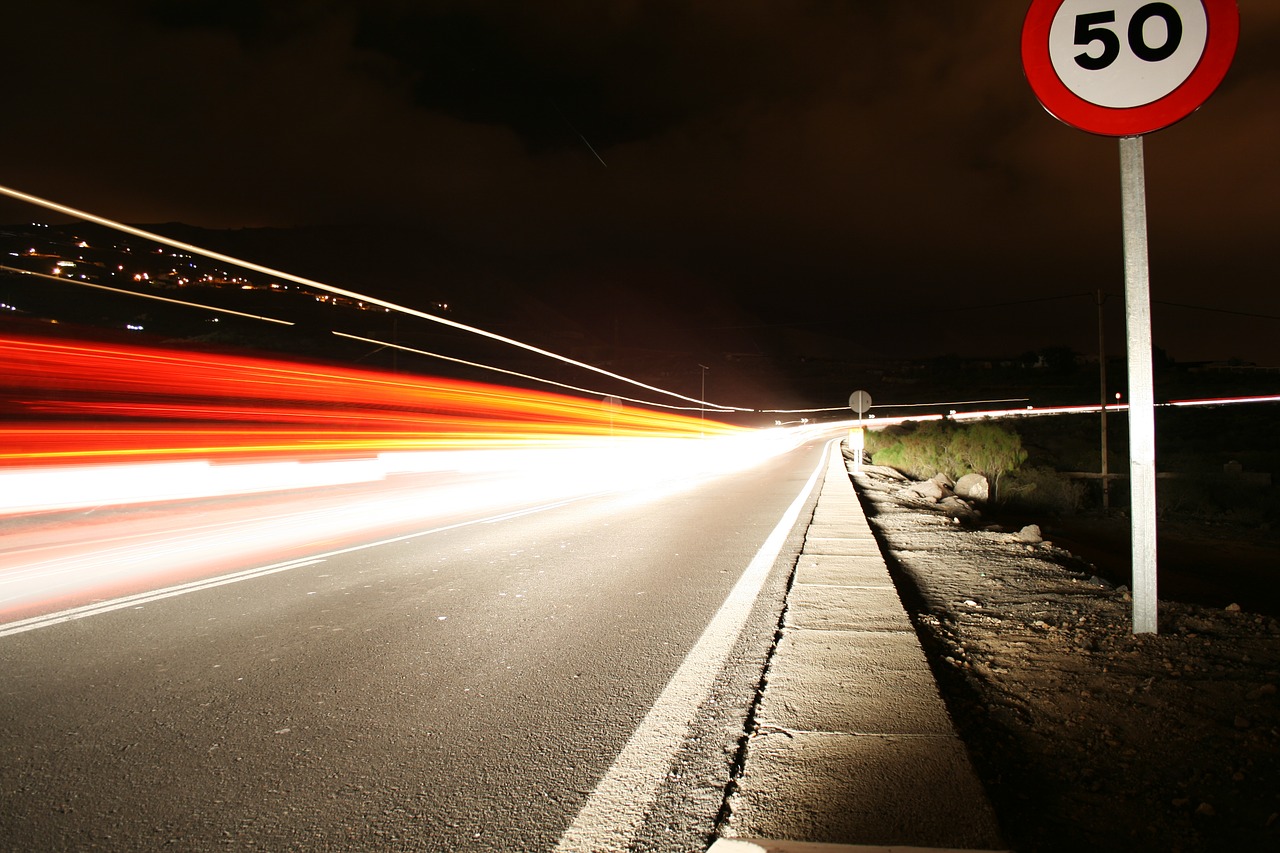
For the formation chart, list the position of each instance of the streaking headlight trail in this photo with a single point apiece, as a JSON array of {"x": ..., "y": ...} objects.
[
  {"x": 317, "y": 460},
  {"x": 71, "y": 401}
]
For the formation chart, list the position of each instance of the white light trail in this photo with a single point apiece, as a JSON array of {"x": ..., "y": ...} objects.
[
  {"x": 328, "y": 288},
  {"x": 55, "y": 562},
  {"x": 891, "y": 406},
  {"x": 1092, "y": 408},
  {"x": 506, "y": 372},
  {"x": 577, "y": 464},
  {"x": 950, "y": 403},
  {"x": 1225, "y": 401}
]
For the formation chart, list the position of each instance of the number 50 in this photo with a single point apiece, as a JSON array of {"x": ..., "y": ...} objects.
[{"x": 1089, "y": 29}]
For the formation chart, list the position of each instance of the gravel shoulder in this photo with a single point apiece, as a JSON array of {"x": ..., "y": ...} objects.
[{"x": 1085, "y": 735}]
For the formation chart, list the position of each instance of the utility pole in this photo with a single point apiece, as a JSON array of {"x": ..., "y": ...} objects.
[
  {"x": 1102, "y": 385},
  {"x": 702, "y": 402}
]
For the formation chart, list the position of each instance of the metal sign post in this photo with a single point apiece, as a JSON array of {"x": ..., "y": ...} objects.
[
  {"x": 1142, "y": 401},
  {"x": 860, "y": 402},
  {"x": 1124, "y": 68}
]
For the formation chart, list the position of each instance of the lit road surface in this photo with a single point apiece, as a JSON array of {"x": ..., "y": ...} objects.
[{"x": 466, "y": 685}]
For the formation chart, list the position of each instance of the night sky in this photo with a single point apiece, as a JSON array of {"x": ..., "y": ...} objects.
[{"x": 876, "y": 176}]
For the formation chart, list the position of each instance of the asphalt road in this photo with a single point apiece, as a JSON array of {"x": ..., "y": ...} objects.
[{"x": 470, "y": 688}]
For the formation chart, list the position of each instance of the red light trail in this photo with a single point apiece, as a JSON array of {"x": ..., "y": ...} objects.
[
  {"x": 348, "y": 456},
  {"x": 67, "y": 401}
]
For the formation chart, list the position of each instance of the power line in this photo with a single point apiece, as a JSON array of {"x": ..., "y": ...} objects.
[
  {"x": 1074, "y": 295},
  {"x": 381, "y": 344},
  {"x": 1007, "y": 304},
  {"x": 1217, "y": 310},
  {"x": 403, "y": 348},
  {"x": 949, "y": 403},
  {"x": 372, "y": 300}
]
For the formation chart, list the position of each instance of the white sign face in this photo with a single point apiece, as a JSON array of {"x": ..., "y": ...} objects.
[
  {"x": 1126, "y": 53},
  {"x": 860, "y": 401},
  {"x": 1127, "y": 67}
]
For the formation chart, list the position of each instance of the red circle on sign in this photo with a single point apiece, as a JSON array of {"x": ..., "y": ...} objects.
[{"x": 1220, "y": 48}]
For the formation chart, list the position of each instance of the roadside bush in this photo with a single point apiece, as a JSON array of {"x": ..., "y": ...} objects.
[
  {"x": 990, "y": 450},
  {"x": 945, "y": 447},
  {"x": 876, "y": 440},
  {"x": 919, "y": 450}
]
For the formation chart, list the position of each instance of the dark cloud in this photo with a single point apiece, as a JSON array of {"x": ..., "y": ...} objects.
[{"x": 878, "y": 165}]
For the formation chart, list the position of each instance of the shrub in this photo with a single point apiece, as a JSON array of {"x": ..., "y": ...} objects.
[
  {"x": 990, "y": 450},
  {"x": 919, "y": 451},
  {"x": 949, "y": 448}
]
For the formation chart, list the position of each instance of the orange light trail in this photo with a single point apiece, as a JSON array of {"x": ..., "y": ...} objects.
[
  {"x": 77, "y": 402},
  {"x": 318, "y": 461}
]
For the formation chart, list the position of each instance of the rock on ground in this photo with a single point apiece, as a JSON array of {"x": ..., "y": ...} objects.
[
  {"x": 1087, "y": 736},
  {"x": 973, "y": 487}
]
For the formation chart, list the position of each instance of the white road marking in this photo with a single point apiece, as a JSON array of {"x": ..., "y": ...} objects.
[
  {"x": 138, "y": 599},
  {"x": 613, "y": 812},
  {"x": 523, "y": 512},
  {"x": 146, "y": 597}
]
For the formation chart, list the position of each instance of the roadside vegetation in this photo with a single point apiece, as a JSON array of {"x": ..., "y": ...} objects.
[
  {"x": 946, "y": 447},
  {"x": 1034, "y": 465}
]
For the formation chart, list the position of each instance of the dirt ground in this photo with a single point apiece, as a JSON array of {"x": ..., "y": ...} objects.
[{"x": 1087, "y": 736}]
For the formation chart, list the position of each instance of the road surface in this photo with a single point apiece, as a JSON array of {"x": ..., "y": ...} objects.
[{"x": 561, "y": 676}]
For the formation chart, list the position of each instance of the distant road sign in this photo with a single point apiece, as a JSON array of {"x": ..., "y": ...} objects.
[
  {"x": 860, "y": 402},
  {"x": 1127, "y": 67}
]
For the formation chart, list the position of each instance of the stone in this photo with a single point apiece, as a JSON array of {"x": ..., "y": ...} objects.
[
  {"x": 1030, "y": 534},
  {"x": 973, "y": 487},
  {"x": 929, "y": 490}
]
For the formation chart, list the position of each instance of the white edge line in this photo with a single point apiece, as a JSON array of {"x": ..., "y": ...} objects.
[
  {"x": 522, "y": 512},
  {"x": 140, "y": 599},
  {"x": 87, "y": 610},
  {"x": 613, "y": 812}
]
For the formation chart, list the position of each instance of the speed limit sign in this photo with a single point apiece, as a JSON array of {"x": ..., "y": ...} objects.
[{"x": 1127, "y": 67}]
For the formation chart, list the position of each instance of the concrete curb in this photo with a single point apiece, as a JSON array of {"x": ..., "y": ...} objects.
[
  {"x": 853, "y": 744},
  {"x": 742, "y": 845}
]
